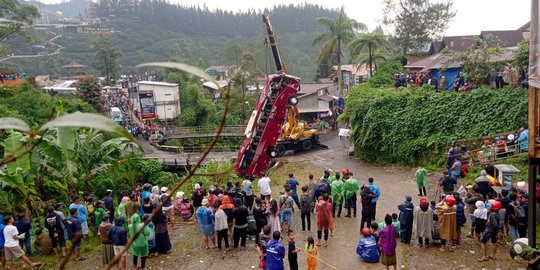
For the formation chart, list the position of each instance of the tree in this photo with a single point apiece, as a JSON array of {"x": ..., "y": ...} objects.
[
  {"x": 89, "y": 91},
  {"x": 477, "y": 60},
  {"x": 365, "y": 48},
  {"x": 417, "y": 21},
  {"x": 521, "y": 56},
  {"x": 232, "y": 54},
  {"x": 107, "y": 59},
  {"x": 339, "y": 32},
  {"x": 17, "y": 19}
]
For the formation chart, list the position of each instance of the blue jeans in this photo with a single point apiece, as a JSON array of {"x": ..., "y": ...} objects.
[
  {"x": 296, "y": 200},
  {"x": 26, "y": 242},
  {"x": 514, "y": 232},
  {"x": 286, "y": 215},
  {"x": 471, "y": 220}
]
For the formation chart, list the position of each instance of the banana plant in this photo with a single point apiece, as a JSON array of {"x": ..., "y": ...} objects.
[{"x": 52, "y": 148}]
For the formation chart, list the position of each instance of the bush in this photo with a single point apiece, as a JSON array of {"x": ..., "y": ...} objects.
[
  {"x": 385, "y": 74},
  {"x": 416, "y": 125}
]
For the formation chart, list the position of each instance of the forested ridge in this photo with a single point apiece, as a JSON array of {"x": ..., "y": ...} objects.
[{"x": 158, "y": 31}]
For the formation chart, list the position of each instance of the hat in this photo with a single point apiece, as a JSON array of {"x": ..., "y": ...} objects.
[
  {"x": 204, "y": 202},
  {"x": 197, "y": 186},
  {"x": 511, "y": 137},
  {"x": 108, "y": 190},
  {"x": 408, "y": 198},
  {"x": 424, "y": 202},
  {"x": 164, "y": 189},
  {"x": 180, "y": 194},
  {"x": 450, "y": 200},
  {"x": 366, "y": 232}
]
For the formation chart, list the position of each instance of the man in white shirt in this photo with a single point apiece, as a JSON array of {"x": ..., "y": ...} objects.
[
  {"x": 264, "y": 186},
  {"x": 11, "y": 246}
]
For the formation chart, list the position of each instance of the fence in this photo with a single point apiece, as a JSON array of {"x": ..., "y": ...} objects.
[{"x": 231, "y": 129}]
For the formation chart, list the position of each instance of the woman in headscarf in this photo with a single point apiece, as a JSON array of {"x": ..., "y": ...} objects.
[
  {"x": 423, "y": 216},
  {"x": 198, "y": 195},
  {"x": 177, "y": 203},
  {"x": 273, "y": 218},
  {"x": 139, "y": 247},
  {"x": 145, "y": 194},
  {"x": 121, "y": 210},
  {"x": 446, "y": 211},
  {"x": 107, "y": 250},
  {"x": 155, "y": 196},
  {"x": 163, "y": 242},
  {"x": 205, "y": 218}
]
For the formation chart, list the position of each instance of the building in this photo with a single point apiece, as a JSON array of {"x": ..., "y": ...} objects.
[
  {"x": 315, "y": 101},
  {"x": 351, "y": 74},
  {"x": 62, "y": 87},
  {"x": 158, "y": 100}
]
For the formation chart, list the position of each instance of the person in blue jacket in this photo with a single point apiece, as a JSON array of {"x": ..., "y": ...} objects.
[
  {"x": 275, "y": 253},
  {"x": 367, "y": 247},
  {"x": 377, "y": 192},
  {"x": 406, "y": 216}
]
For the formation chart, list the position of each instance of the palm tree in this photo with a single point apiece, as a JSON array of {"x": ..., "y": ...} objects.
[
  {"x": 340, "y": 31},
  {"x": 366, "y": 48}
]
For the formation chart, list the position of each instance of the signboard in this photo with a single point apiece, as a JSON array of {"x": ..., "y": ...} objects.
[{"x": 148, "y": 110}]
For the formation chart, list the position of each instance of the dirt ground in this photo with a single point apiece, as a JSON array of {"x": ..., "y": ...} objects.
[{"x": 188, "y": 251}]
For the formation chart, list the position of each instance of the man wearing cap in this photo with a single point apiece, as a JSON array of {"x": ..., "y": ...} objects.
[
  {"x": 81, "y": 215},
  {"x": 423, "y": 216},
  {"x": 109, "y": 203},
  {"x": 406, "y": 217}
]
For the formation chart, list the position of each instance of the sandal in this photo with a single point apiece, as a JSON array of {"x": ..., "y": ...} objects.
[{"x": 483, "y": 260}]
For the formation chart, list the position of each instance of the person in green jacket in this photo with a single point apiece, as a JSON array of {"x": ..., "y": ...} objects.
[
  {"x": 337, "y": 195},
  {"x": 139, "y": 247},
  {"x": 333, "y": 178},
  {"x": 351, "y": 188},
  {"x": 421, "y": 180}
]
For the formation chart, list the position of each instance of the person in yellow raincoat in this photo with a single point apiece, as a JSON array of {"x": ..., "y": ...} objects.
[{"x": 446, "y": 211}]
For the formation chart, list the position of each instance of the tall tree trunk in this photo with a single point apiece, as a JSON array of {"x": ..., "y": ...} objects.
[
  {"x": 370, "y": 61},
  {"x": 340, "y": 76}
]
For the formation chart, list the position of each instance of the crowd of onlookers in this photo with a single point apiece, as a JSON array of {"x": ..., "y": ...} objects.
[{"x": 12, "y": 76}]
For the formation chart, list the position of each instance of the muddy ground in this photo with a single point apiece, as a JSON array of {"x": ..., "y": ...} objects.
[{"x": 188, "y": 251}]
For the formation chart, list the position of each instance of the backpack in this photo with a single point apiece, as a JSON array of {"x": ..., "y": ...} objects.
[
  {"x": 519, "y": 212},
  {"x": 185, "y": 211}
]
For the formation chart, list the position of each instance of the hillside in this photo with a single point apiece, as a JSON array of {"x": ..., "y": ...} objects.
[{"x": 159, "y": 37}]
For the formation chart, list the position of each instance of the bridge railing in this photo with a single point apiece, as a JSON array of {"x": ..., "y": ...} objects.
[
  {"x": 231, "y": 129},
  {"x": 197, "y": 149}
]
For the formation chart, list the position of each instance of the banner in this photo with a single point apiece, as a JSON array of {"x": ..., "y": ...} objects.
[{"x": 148, "y": 110}]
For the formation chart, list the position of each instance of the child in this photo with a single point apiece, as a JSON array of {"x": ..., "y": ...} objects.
[
  {"x": 367, "y": 247},
  {"x": 387, "y": 241},
  {"x": 118, "y": 235},
  {"x": 375, "y": 230},
  {"x": 311, "y": 254},
  {"x": 99, "y": 213},
  {"x": 396, "y": 223},
  {"x": 493, "y": 228},
  {"x": 75, "y": 233},
  {"x": 305, "y": 211},
  {"x": 293, "y": 252},
  {"x": 480, "y": 219},
  {"x": 436, "y": 234}
]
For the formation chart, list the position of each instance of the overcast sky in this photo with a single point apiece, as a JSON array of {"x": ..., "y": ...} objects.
[{"x": 472, "y": 15}]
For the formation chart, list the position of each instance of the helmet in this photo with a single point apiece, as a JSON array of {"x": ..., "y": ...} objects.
[
  {"x": 495, "y": 206},
  {"x": 366, "y": 232},
  {"x": 450, "y": 200}
]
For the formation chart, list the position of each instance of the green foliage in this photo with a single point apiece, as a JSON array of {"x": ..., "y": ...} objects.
[
  {"x": 89, "y": 91},
  {"x": 369, "y": 48},
  {"x": 521, "y": 56},
  {"x": 477, "y": 60},
  {"x": 384, "y": 77},
  {"x": 338, "y": 34},
  {"x": 18, "y": 17},
  {"x": 417, "y": 21},
  {"x": 412, "y": 125},
  {"x": 107, "y": 59}
]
